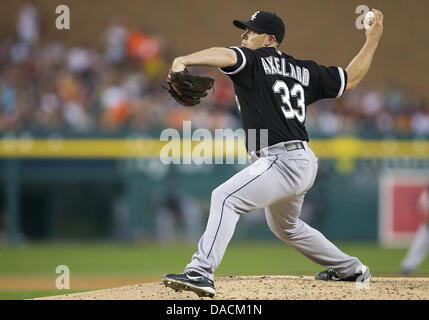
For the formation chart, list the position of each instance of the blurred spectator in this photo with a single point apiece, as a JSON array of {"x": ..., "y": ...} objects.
[
  {"x": 372, "y": 103},
  {"x": 329, "y": 122},
  {"x": 116, "y": 37},
  {"x": 117, "y": 105},
  {"x": 420, "y": 123},
  {"x": 78, "y": 60},
  {"x": 28, "y": 24},
  {"x": 146, "y": 49},
  {"x": 385, "y": 122},
  {"x": 71, "y": 96},
  {"x": 143, "y": 46}
]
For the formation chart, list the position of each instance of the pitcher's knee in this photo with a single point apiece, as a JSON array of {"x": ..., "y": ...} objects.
[
  {"x": 227, "y": 199},
  {"x": 219, "y": 194},
  {"x": 274, "y": 229},
  {"x": 288, "y": 231}
]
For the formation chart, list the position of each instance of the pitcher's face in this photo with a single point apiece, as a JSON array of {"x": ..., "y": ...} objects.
[{"x": 253, "y": 40}]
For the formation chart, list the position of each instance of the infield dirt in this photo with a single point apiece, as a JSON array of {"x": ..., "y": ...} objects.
[{"x": 270, "y": 288}]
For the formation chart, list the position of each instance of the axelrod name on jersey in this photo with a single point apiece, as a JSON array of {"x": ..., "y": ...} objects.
[{"x": 274, "y": 65}]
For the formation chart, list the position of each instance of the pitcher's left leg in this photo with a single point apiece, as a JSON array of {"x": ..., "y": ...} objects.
[{"x": 250, "y": 189}]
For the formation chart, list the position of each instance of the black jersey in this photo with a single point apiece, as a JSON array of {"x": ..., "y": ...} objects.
[{"x": 273, "y": 90}]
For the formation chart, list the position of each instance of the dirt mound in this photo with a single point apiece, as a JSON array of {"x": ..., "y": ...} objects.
[{"x": 270, "y": 288}]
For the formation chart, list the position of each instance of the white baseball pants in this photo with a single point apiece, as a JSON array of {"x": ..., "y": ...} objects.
[{"x": 276, "y": 181}]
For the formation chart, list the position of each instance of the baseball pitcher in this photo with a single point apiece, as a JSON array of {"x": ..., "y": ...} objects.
[{"x": 273, "y": 91}]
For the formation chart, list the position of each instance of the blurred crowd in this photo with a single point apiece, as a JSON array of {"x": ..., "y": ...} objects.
[
  {"x": 377, "y": 112},
  {"x": 53, "y": 86}
]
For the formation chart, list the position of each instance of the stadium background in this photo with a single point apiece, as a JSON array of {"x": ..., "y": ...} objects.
[{"x": 82, "y": 111}]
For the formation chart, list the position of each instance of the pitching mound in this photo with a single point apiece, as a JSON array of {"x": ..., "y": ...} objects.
[{"x": 270, "y": 288}]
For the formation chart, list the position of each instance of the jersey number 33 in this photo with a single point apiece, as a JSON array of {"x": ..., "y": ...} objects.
[{"x": 297, "y": 92}]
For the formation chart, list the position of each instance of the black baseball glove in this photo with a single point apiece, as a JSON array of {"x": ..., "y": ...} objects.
[{"x": 188, "y": 89}]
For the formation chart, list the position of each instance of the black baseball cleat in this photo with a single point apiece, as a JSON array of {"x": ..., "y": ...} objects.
[
  {"x": 330, "y": 275},
  {"x": 190, "y": 281}
]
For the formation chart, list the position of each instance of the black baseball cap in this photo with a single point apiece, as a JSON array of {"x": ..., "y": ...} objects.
[{"x": 264, "y": 22}]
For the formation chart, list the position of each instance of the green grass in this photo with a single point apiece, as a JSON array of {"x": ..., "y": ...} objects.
[
  {"x": 30, "y": 294},
  {"x": 151, "y": 260},
  {"x": 101, "y": 259},
  {"x": 277, "y": 258}
]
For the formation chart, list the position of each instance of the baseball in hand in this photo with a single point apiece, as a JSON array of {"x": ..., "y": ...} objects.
[{"x": 369, "y": 19}]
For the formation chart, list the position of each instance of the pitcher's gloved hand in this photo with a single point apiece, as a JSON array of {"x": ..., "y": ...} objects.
[{"x": 188, "y": 89}]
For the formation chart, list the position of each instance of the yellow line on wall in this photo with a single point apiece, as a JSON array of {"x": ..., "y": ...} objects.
[{"x": 338, "y": 148}]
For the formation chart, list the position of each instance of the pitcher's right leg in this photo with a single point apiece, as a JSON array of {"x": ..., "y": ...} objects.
[{"x": 282, "y": 219}]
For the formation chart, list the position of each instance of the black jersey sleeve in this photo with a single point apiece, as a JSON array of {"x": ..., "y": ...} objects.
[
  {"x": 327, "y": 82},
  {"x": 241, "y": 72}
]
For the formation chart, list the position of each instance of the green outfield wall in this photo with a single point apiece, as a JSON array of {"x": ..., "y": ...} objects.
[{"x": 73, "y": 188}]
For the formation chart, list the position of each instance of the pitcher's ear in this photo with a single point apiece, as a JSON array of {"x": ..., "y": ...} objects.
[{"x": 269, "y": 40}]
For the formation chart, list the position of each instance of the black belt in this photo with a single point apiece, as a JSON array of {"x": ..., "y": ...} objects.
[
  {"x": 288, "y": 146},
  {"x": 294, "y": 146}
]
